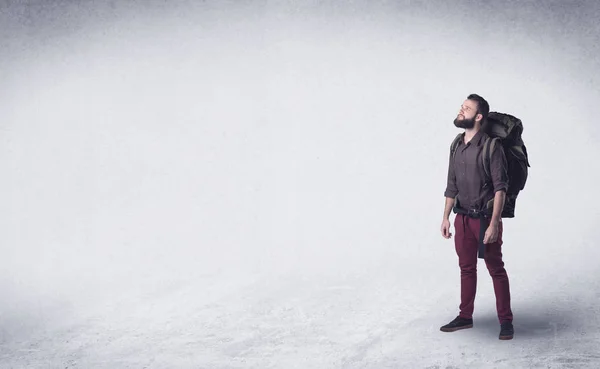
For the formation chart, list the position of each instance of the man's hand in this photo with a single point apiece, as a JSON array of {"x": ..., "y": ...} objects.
[
  {"x": 491, "y": 234},
  {"x": 446, "y": 229}
]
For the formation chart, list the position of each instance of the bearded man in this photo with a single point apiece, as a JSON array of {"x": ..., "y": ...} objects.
[{"x": 477, "y": 202}]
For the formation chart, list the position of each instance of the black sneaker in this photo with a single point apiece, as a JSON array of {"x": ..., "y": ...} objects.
[
  {"x": 506, "y": 331},
  {"x": 456, "y": 324}
]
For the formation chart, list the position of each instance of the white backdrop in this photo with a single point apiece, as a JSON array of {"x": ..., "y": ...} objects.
[{"x": 261, "y": 184}]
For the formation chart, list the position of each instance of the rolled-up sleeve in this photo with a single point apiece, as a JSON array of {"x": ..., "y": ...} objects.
[
  {"x": 451, "y": 189},
  {"x": 499, "y": 169}
]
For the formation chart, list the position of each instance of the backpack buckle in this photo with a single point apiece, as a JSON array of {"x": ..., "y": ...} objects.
[{"x": 474, "y": 213}]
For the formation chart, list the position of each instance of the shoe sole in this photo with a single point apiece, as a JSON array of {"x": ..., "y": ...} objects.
[
  {"x": 504, "y": 338},
  {"x": 456, "y": 329}
]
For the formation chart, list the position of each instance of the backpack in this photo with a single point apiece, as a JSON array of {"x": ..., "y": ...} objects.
[{"x": 506, "y": 130}]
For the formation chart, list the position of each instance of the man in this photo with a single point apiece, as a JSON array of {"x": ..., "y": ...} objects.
[{"x": 478, "y": 203}]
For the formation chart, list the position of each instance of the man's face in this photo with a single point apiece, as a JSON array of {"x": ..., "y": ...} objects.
[{"x": 467, "y": 115}]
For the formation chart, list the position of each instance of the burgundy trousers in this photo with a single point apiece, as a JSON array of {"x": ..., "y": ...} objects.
[{"x": 466, "y": 243}]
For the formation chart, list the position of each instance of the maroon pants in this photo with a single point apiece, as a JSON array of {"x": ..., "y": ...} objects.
[{"x": 467, "y": 242}]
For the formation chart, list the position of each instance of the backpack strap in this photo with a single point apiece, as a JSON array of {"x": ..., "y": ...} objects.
[
  {"x": 488, "y": 148},
  {"x": 455, "y": 144}
]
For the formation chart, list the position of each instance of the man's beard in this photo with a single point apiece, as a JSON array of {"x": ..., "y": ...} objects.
[{"x": 464, "y": 123}]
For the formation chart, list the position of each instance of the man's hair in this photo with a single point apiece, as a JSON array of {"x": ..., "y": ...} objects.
[{"x": 483, "y": 107}]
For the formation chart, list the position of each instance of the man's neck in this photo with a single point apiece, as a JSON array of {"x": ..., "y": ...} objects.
[{"x": 471, "y": 132}]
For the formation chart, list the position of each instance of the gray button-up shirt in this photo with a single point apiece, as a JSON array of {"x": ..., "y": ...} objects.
[{"x": 466, "y": 176}]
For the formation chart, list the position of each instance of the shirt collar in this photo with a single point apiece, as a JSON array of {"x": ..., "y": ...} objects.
[{"x": 478, "y": 139}]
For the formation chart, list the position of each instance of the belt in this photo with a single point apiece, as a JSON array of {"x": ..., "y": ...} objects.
[{"x": 471, "y": 213}]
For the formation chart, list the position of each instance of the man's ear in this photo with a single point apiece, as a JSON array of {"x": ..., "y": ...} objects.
[{"x": 479, "y": 117}]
